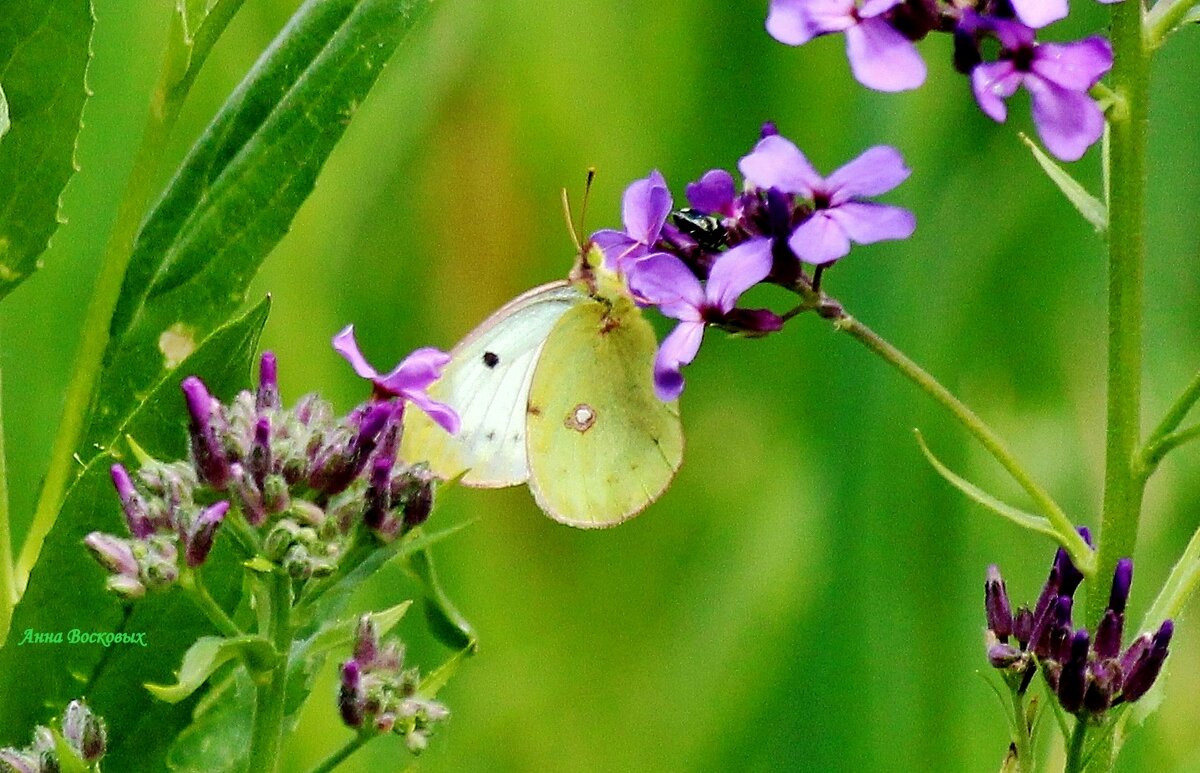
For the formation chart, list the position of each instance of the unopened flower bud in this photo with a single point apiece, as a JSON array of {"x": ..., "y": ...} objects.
[
  {"x": 351, "y": 698},
  {"x": 210, "y": 458},
  {"x": 267, "y": 396},
  {"x": 203, "y": 530},
  {"x": 999, "y": 611},
  {"x": 1145, "y": 670},
  {"x": 113, "y": 553},
  {"x": 136, "y": 515},
  {"x": 84, "y": 731},
  {"x": 1073, "y": 679}
]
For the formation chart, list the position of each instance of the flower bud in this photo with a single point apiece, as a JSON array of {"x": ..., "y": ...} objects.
[
  {"x": 1073, "y": 679},
  {"x": 1141, "y": 677},
  {"x": 203, "y": 530},
  {"x": 84, "y": 731},
  {"x": 113, "y": 553},
  {"x": 210, "y": 459},
  {"x": 999, "y": 611},
  {"x": 267, "y": 396},
  {"x": 136, "y": 515}
]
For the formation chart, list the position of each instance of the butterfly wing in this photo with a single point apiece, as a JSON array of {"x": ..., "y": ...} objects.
[
  {"x": 487, "y": 382},
  {"x": 601, "y": 445}
]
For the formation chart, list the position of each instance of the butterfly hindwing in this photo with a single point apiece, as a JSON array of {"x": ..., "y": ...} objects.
[
  {"x": 601, "y": 445},
  {"x": 487, "y": 383}
]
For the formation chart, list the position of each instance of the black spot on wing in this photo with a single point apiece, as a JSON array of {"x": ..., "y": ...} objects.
[{"x": 491, "y": 359}]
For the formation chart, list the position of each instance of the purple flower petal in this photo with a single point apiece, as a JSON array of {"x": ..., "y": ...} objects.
[
  {"x": 345, "y": 345},
  {"x": 1039, "y": 13},
  {"x": 736, "y": 271},
  {"x": 713, "y": 193},
  {"x": 1077, "y": 66},
  {"x": 777, "y": 163},
  {"x": 1013, "y": 35},
  {"x": 993, "y": 83},
  {"x": 883, "y": 59},
  {"x": 617, "y": 247},
  {"x": 795, "y": 22},
  {"x": 876, "y": 171},
  {"x": 664, "y": 281},
  {"x": 1069, "y": 122},
  {"x": 819, "y": 240},
  {"x": 872, "y": 8},
  {"x": 440, "y": 412},
  {"x": 645, "y": 207},
  {"x": 677, "y": 349},
  {"x": 866, "y": 222},
  {"x": 416, "y": 371}
]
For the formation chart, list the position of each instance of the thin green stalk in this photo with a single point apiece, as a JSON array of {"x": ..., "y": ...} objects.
[
  {"x": 190, "y": 581},
  {"x": 274, "y": 600},
  {"x": 8, "y": 585},
  {"x": 1153, "y": 453},
  {"x": 182, "y": 60},
  {"x": 1081, "y": 554},
  {"x": 1163, "y": 18},
  {"x": 340, "y": 756},
  {"x": 1021, "y": 739},
  {"x": 1075, "y": 750},
  {"x": 1177, "y": 412},
  {"x": 1128, "y": 124}
]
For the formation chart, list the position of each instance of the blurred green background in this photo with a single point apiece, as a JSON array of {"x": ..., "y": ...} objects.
[{"x": 808, "y": 595}]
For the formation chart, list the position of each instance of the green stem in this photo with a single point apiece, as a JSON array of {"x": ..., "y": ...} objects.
[
  {"x": 1081, "y": 554},
  {"x": 8, "y": 580},
  {"x": 181, "y": 62},
  {"x": 1075, "y": 760},
  {"x": 1164, "y": 18},
  {"x": 1128, "y": 123},
  {"x": 1177, "y": 412},
  {"x": 1153, "y": 453},
  {"x": 190, "y": 580},
  {"x": 273, "y": 598},
  {"x": 340, "y": 756},
  {"x": 1021, "y": 737}
]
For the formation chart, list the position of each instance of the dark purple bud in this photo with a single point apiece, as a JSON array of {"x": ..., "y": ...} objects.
[
  {"x": 340, "y": 466},
  {"x": 84, "y": 731},
  {"x": 1073, "y": 679},
  {"x": 211, "y": 462},
  {"x": 1102, "y": 686},
  {"x": 136, "y": 515},
  {"x": 1004, "y": 655},
  {"x": 267, "y": 397},
  {"x": 753, "y": 321},
  {"x": 1055, "y": 644},
  {"x": 417, "y": 496},
  {"x": 1108, "y": 634},
  {"x": 1122, "y": 580},
  {"x": 966, "y": 51},
  {"x": 1145, "y": 671},
  {"x": 260, "y": 452},
  {"x": 1136, "y": 650},
  {"x": 249, "y": 496},
  {"x": 113, "y": 553},
  {"x": 1069, "y": 576},
  {"x": 768, "y": 130},
  {"x": 1043, "y": 612},
  {"x": 351, "y": 697},
  {"x": 202, "y": 532},
  {"x": 1023, "y": 626},
  {"x": 999, "y": 610},
  {"x": 366, "y": 642}
]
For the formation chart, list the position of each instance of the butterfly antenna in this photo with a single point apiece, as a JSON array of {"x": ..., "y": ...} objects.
[
  {"x": 566, "y": 204},
  {"x": 577, "y": 229}
]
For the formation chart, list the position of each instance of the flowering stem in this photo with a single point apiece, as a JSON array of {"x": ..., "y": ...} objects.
[
  {"x": 1080, "y": 553},
  {"x": 1128, "y": 121},
  {"x": 190, "y": 581},
  {"x": 1021, "y": 733},
  {"x": 181, "y": 62},
  {"x": 340, "y": 756},
  {"x": 1075, "y": 757},
  {"x": 273, "y": 592},
  {"x": 8, "y": 588}
]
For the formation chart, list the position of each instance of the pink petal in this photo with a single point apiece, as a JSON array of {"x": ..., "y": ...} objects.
[
  {"x": 345, "y": 345},
  {"x": 795, "y": 22},
  {"x": 993, "y": 83},
  {"x": 883, "y": 59},
  {"x": 1039, "y": 13},
  {"x": 677, "y": 349},
  {"x": 819, "y": 240},
  {"x": 1077, "y": 66},
  {"x": 736, "y": 271},
  {"x": 664, "y": 281},
  {"x": 866, "y": 222},
  {"x": 777, "y": 163},
  {"x": 871, "y": 8},
  {"x": 876, "y": 171},
  {"x": 416, "y": 371},
  {"x": 645, "y": 207},
  {"x": 1069, "y": 122},
  {"x": 440, "y": 412}
]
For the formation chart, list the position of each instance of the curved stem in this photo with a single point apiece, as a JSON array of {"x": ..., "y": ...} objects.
[
  {"x": 340, "y": 756},
  {"x": 1081, "y": 554},
  {"x": 1128, "y": 123},
  {"x": 190, "y": 581},
  {"x": 273, "y": 593},
  {"x": 1154, "y": 452}
]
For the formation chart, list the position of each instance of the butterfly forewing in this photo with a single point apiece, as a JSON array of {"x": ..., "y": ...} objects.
[
  {"x": 487, "y": 382},
  {"x": 601, "y": 445}
]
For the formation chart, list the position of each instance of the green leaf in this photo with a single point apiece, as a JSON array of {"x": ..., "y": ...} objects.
[
  {"x": 4, "y": 120},
  {"x": 1092, "y": 209},
  {"x": 341, "y": 633},
  {"x": 433, "y": 682},
  {"x": 446, "y": 622},
  {"x": 198, "y": 24},
  {"x": 44, "y": 50},
  {"x": 207, "y": 655},
  {"x": 1019, "y": 517},
  {"x": 237, "y": 191},
  {"x": 218, "y": 740},
  {"x": 66, "y": 588},
  {"x": 68, "y": 760}
]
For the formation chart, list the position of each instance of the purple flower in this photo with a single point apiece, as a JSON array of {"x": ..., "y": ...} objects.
[
  {"x": 665, "y": 281},
  {"x": 1057, "y": 76},
  {"x": 408, "y": 380},
  {"x": 881, "y": 57},
  {"x": 644, "y": 210},
  {"x": 839, "y": 215},
  {"x": 714, "y": 193}
]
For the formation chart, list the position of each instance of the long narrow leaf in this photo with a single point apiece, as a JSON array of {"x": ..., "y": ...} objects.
[
  {"x": 45, "y": 46},
  {"x": 1091, "y": 208}
]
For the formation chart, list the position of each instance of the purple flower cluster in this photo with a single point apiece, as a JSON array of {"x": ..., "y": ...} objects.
[
  {"x": 377, "y": 692},
  {"x": 302, "y": 476},
  {"x": 86, "y": 738},
  {"x": 695, "y": 263},
  {"x": 880, "y": 37},
  {"x": 1089, "y": 674}
]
